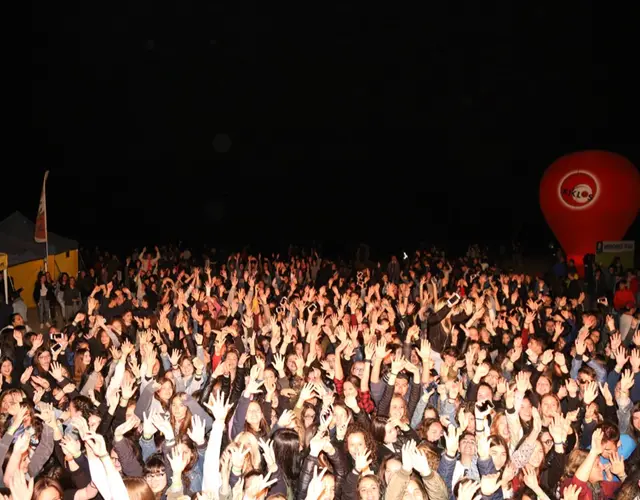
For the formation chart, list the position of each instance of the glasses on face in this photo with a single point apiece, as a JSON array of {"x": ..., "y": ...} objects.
[
  {"x": 155, "y": 475},
  {"x": 583, "y": 381}
]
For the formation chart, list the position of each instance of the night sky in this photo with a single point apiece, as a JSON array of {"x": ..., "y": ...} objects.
[{"x": 389, "y": 125}]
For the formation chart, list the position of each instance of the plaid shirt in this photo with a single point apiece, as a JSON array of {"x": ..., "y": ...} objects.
[{"x": 364, "y": 397}]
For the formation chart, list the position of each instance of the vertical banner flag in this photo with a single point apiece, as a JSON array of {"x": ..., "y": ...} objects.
[{"x": 41, "y": 220}]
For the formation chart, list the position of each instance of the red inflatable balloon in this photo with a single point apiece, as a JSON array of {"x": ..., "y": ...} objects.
[{"x": 589, "y": 196}]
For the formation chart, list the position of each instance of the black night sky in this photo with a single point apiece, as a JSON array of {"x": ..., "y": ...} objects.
[{"x": 388, "y": 125}]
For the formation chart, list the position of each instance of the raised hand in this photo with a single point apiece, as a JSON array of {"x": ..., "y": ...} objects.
[
  {"x": 41, "y": 381},
  {"x": 341, "y": 429},
  {"x": 26, "y": 375},
  {"x": 451, "y": 440},
  {"x": 81, "y": 426},
  {"x": 408, "y": 451},
  {"x": 269, "y": 454},
  {"x": 325, "y": 418},
  {"x": 316, "y": 487},
  {"x": 287, "y": 419},
  {"x": 420, "y": 463},
  {"x": 362, "y": 461},
  {"x": 134, "y": 366},
  {"x": 606, "y": 393},
  {"x": 307, "y": 393},
  {"x": 617, "y": 464},
  {"x": 37, "y": 395},
  {"x": 468, "y": 490},
  {"x": 95, "y": 442},
  {"x": 557, "y": 429},
  {"x": 483, "y": 446},
  {"x": 127, "y": 348},
  {"x": 531, "y": 478},
  {"x": 178, "y": 461},
  {"x": 70, "y": 447},
  {"x": 547, "y": 356},
  {"x": 596, "y": 442},
  {"x": 19, "y": 486},
  {"x": 621, "y": 357},
  {"x": 590, "y": 392},
  {"x": 260, "y": 484},
  {"x": 626, "y": 381},
  {"x": 489, "y": 484},
  {"x": 47, "y": 414},
  {"x": 218, "y": 407},
  {"x": 132, "y": 422},
  {"x": 253, "y": 387},
  {"x": 398, "y": 364},
  {"x": 571, "y": 492},
  {"x": 21, "y": 444},
  {"x": 572, "y": 387},
  {"x": 635, "y": 360},
  {"x": 56, "y": 371},
  {"x": 381, "y": 349},
  {"x": 127, "y": 389},
  {"x": 175, "y": 357},
  {"x": 163, "y": 425},
  {"x": 148, "y": 429},
  {"x": 37, "y": 342},
  {"x": 197, "y": 431}
]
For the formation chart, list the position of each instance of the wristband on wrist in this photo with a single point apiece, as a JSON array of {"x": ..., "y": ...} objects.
[{"x": 558, "y": 444}]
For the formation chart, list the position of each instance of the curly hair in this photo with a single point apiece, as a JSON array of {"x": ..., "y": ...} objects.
[{"x": 372, "y": 447}]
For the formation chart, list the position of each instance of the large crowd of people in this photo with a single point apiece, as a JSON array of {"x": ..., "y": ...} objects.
[{"x": 174, "y": 376}]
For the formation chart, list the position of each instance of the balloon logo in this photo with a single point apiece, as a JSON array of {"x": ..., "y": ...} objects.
[
  {"x": 589, "y": 196},
  {"x": 578, "y": 189}
]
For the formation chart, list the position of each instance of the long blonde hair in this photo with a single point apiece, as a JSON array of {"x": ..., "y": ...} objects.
[
  {"x": 253, "y": 459},
  {"x": 575, "y": 459}
]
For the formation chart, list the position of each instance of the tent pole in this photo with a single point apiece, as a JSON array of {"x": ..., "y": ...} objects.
[
  {"x": 6, "y": 286},
  {"x": 46, "y": 255}
]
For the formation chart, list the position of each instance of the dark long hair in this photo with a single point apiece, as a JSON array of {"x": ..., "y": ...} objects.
[
  {"x": 286, "y": 445},
  {"x": 635, "y": 433}
]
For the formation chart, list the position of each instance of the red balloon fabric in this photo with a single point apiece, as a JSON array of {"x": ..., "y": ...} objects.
[{"x": 589, "y": 196}]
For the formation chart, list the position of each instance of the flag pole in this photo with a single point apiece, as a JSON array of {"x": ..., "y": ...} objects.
[
  {"x": 42, "y": 233},
  {"x": 46, "y": 229}
]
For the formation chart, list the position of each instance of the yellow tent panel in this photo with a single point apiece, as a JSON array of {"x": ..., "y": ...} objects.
[
  {"x": 25, "y": 258},
  {"x": 25, "y": 275}
]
